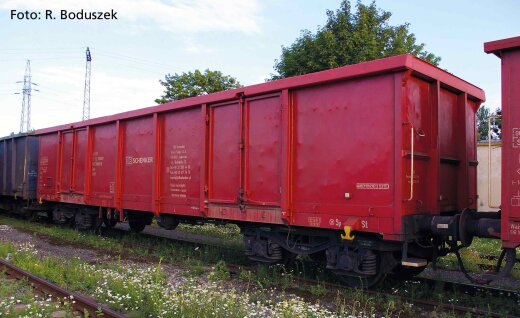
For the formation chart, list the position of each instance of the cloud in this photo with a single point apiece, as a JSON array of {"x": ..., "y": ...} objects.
[
  {"x": 199, "y": 48},
  {"x": 176, "y": 16}
]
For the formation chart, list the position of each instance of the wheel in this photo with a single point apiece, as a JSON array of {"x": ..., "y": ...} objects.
[
  {"x": 320, "y": 257},
  {"x": 136, "y": 226},
  {"x": 167, "y": 221},
  {"x": 287, "y": 258},
  {"x": 138, "y": 220},
  {"x": 109, "y": 223},
  {"x": 356, "y": 280},
  {"x": 406, "y": 272},
  {"x": 362, "y": 282},
  {"x": 83, "y": 220}
]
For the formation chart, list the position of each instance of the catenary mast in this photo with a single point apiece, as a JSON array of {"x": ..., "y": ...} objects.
[
  {"x": 86, "y": 92},
  {"x": 25, "y": 120}
]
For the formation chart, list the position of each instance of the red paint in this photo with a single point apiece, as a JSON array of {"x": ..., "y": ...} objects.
[
  {"x": 103, "y": 165},
  {"x": 320, "y": 150},
  {"x": 263, "y": 152},
  {"x": 225, "y": 152},
  {"x": 138, "y": 164},
  {"x": 48, "y": 183},
  {"x": 179, "y": 172},
  {"x": 509, "y": 52}
]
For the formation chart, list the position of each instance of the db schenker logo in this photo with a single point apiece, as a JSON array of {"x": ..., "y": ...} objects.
[{"x": 138, "y": 160}]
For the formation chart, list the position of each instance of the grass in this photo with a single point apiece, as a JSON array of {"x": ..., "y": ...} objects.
[
  {"x": 147, "y": 291},
  {"x": 208, "y": 263},
  {"x": 17, "y": 299},
  {"x": 505, "y": 304},
  {"x": 116, "y": 242},
  {"x": 318, "y": 290},
  {"x": 196, "y": 267},
  {"x": 219, "y": 272},
  {"x": 230, "y": 232},
  {"x": 473, "y": 257}
]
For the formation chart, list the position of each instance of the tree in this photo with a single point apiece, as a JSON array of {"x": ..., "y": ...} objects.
[
  {"x": 496, "y": 125},
  {"x": 191, "y": 84},
  {"x": 483, "y": 115},
  {"x": 347, "y": 39}
]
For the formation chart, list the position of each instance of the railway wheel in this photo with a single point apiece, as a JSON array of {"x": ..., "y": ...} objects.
[
  {"x": 167, "y": 221},
  {"x": 110, "y": 217},
  {"x": 138, "y": 220},
  {"x": 406, "y": 272},
  {"x": 375, "y": 267},
  {"x": 85, "y": 219},
  {"x": 109, "y": 223},
  {"x": 320, "y": 257},
  {"x": 287, "y": 258},
  {"x": 136, "y": 226},
  {"x": 362, "y": 282}
]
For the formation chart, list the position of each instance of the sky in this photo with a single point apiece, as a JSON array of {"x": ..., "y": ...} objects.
[{"x": 242, "y": 38}]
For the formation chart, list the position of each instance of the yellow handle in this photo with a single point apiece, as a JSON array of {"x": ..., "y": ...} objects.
[{"x": 347, "y": 235}]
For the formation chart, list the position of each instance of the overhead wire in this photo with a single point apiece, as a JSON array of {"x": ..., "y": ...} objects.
[
  {"x": 54, "y": 93},
  {"x": 136, "y": 60},
  {"x": 135, "y": 67},
  {"x": 65, "y": 100},
  {"x": 42, "y": 49},
  {"x": 38, "y": 59}
]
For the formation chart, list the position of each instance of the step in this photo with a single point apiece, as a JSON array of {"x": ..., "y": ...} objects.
[{"x": 414, "y": 262}]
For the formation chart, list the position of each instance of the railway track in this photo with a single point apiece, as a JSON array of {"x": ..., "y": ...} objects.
[
  {"x": 469, "y": 289},
  {"x": 426, "y": 304},
  {"x": 81, "y": 303},
  {"x": 492, "y": 257},
  {"x": 455, "y": 287}
]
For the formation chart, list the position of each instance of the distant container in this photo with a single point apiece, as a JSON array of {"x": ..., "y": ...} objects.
[
  {"x": 19, "y": 166},
  {"x": 489, "y": 200}
]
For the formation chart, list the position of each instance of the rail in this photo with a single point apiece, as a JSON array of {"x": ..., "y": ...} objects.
[
  {"x": 81, "y": 303},
  {"x": 426, "y": 304}
]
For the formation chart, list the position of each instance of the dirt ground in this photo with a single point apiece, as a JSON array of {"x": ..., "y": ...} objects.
[{"x": 47, "y": 247}]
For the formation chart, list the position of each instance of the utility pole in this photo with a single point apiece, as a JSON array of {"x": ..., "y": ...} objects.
[
  {"x": 25, "y": 122},
  {"x": 86, "y": 92}
]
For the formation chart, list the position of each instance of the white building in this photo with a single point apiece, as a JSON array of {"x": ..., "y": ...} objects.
[{"x": 489, "y": 200}]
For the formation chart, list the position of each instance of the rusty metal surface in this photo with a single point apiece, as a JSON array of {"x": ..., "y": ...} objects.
[
  {"x": 81, "y": 304},
  {"x": 18, "y": 166}
]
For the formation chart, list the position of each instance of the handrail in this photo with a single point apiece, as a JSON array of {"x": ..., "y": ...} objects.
[
  {"x": 489, "y": 163},
  {"x": 412, "y": 135},
  {"x": 412, "y": 153}
]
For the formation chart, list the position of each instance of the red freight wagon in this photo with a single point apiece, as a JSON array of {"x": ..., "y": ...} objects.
[
  {"x": 373, "y": 150},
  {"x": 508, "y": 50}
]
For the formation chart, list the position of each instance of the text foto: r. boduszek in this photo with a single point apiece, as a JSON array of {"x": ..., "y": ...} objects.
[{"x": 63, "y": 15}]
